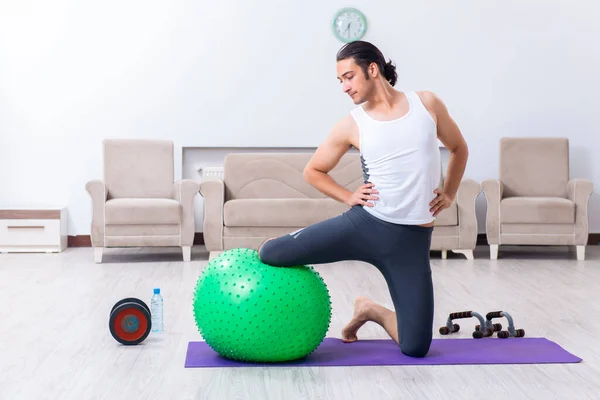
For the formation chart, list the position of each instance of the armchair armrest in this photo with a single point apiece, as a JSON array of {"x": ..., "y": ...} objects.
[
  {"x": 184, "y": 192},
  {"x": 579, "y": 191},
  {"x": 467, "y": 218},
  {"x": 98, "y": 193},
  {"x": 493, "y": 190},
  {"x": 213, "y": 192}
]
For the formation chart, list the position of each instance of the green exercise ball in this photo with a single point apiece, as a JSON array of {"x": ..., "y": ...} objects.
[{"x": 250, "y": 311}]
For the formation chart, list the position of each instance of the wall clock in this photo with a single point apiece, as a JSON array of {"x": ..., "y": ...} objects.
[{"x": 349, "y": 25}]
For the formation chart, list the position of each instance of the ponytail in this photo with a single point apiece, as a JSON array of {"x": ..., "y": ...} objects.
[{"x": 390, "y": 73}]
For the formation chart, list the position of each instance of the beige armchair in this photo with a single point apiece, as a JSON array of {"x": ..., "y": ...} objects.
[
  {"x": 535, "y": 202},
  {"x": 264, "y": 195},
  {"x": 138, "y": 204}
]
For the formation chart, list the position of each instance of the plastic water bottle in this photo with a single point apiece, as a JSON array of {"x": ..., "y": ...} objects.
[{"x": 156, "y": 311}]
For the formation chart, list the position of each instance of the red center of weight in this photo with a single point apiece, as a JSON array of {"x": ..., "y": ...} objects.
[{"x": 130, "y": 336}]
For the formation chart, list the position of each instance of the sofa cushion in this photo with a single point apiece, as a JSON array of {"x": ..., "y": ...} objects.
[
  {"x": 280, "y": 212},
  {"x": 534, "y": 166},
  {"x": 537, "y": 210},
  {"x": 142, "y": 211},
  {"x": 138, "y": 168},
  {"x": 448, "y": 217},
  {"x": 280, "y": 175}
]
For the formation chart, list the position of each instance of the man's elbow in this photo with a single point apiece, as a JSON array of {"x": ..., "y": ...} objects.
[
  {"x": 461, "y": 149},
  {"x": 307, "y": 174},
  {"x": 311, "y": 174}
]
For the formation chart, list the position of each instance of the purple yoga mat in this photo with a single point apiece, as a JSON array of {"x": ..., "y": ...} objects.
[{"x": 333, "y": 352}]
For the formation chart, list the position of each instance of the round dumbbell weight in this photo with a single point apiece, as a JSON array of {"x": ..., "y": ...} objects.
[
  {"x": 130, "y": 321},
  {"x": 130, "y": 300}
]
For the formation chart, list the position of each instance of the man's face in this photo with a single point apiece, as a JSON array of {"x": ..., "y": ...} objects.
[{"x": 354, "y": 82}]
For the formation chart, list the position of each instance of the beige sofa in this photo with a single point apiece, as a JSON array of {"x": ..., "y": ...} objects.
[
  {"x": 535, "y": 202},
  {"x": 138, "y": 203},
  {"x": 265, "y": 195}
]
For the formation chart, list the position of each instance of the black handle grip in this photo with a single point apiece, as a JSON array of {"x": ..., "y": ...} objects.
[
  {"x": 493, "y": 314},
  {"x": 444, "y": 330},
  {"x": 461, "y": 314},
  {"x": 520, "y": 332},
  {"x": 477, "y": 335}
]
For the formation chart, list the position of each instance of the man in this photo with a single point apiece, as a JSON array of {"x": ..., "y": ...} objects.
[{"x": 391, "y": 218}]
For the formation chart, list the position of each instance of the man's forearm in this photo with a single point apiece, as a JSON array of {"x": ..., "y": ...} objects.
[
  {"x": 456, "y": 168},
  {"x": 325, "y": 184}
]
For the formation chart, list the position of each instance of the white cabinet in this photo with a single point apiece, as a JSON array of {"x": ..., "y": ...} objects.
[{"x": 32, "y": 231}]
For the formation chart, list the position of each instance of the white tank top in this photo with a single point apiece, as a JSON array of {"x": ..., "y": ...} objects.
[{"x": 402, "y": 159}]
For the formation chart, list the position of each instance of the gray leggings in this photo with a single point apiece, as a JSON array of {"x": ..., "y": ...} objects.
[{"x": 399, "y": 252}]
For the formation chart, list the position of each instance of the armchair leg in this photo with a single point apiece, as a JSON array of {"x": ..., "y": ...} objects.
[
  {"x": 98, "y": 254},
  {"x": 444, "y": 254},
  {"x": 493, "y": 251},
  {"x": 187, "y": 253},
  {"x": 466, "y": 253},
  {"x": 580, "y": 253}
]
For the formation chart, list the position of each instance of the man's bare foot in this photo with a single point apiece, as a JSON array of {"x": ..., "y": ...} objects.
[{"x": 362, "y": 307}]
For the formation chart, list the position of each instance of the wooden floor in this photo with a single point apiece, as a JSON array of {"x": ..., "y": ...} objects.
[{"x": 55, "y": 343}]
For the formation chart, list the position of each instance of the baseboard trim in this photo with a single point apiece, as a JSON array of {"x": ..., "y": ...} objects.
[
  {"x": 85, "y": 240},
  {"x": 80, "y": 241}
]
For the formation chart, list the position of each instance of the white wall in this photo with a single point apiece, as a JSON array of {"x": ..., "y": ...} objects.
[{"x": 262, "y": 73}]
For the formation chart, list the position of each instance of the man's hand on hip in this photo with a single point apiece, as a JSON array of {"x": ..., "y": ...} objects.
[{"x": 440, "y": 202}]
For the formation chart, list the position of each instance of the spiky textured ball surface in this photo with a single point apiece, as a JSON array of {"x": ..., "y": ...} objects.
[{"x": 249, "y": 311}]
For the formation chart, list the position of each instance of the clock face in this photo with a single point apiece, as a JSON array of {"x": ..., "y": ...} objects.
[{"x": 349, "y": 24}]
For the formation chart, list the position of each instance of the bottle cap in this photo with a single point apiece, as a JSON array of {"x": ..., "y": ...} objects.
[{"x": 156, "y": 291}]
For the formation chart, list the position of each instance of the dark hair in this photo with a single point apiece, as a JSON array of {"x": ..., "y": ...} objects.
[{"x": 365, "y": 53}]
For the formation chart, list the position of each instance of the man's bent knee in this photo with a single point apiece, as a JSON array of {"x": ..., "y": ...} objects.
[
  {"x": 265, "y": 254},
  {"x": 262, "y": 245},
  {"x": 416, "y": 349},
  {"x": 278, "y": 252}
]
